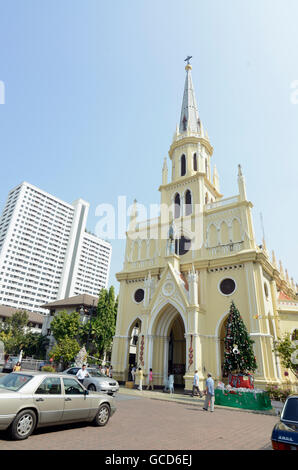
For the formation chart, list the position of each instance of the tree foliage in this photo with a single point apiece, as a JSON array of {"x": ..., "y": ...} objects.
[
  {"x": 104, "y": 324},
  {"x": 13, "y": 332},
  {"x": 35, "y": 345},
  {"x": 287, "y": 350},
  {"x": 65, "y": 325},
  {"x": 65, "y": 351},
  {"x": 16, "y": 335}
]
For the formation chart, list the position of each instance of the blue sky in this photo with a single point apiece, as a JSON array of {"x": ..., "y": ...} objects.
[{"x": 93, "y": 92}]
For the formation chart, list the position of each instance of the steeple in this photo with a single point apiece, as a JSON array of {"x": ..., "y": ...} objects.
[{"x": 189, "y": 119}]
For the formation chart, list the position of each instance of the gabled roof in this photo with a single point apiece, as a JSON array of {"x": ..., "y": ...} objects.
[
  {"x": 6, "y": 311},
  {"x": 77, "y": 300}
]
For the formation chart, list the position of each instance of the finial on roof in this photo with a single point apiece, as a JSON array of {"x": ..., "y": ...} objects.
[{"x": 188, "y": 66}]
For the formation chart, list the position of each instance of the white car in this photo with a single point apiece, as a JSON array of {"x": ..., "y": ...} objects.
[{"x": 96, "y": 381}]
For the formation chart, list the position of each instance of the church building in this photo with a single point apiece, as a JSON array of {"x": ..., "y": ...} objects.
[{"x": 183, "y": 269}]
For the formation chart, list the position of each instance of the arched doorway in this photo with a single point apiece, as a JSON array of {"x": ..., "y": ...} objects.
[
  {"x": 169, "y": 346},
  {"x": 133, "y": 346}
]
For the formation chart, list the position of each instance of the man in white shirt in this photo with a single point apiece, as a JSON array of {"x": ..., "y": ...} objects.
[
  {"x": 82, "y": 373},
  {"x": 195, "y": 387},
  {"x": 209, "y": 393}
]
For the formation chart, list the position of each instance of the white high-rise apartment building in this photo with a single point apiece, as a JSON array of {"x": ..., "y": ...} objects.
[{"x": 46, "y": 253}]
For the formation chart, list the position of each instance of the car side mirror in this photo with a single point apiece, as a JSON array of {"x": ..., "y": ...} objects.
[{"x": 86, "y": 392}]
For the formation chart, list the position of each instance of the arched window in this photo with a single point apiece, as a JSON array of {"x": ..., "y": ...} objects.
[
  {"x": 183, "y": 165},
  {"x": 182, "y": 245},
  {"x": 177, "y": 206},
  {"x": 188, "y": 207},
  {"x": 195, "y": 163}
]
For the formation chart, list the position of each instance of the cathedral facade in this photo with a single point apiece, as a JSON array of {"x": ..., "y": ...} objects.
[{"x": 182, "y": 270}]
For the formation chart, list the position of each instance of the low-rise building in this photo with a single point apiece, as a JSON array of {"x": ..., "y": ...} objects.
[
  {"x": 83, "y": 304},
  {"x": 36, "y": 320}
]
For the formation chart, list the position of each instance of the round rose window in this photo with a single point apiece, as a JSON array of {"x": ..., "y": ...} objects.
[
  {"x": 139, "y": 295},
  {"x": 227, "y": 286}
]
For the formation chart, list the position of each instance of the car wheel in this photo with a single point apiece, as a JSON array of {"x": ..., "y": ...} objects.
[
  {"x": 23, "y": 425},
  {"x": 102, "y": 415},
  {"x": 92, "y": 387}
]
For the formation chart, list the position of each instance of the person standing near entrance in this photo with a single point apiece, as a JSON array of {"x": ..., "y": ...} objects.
[
  {"x": 171, "y": 383},
  {"x": 150, "y": 385},
  {"x": 141, "y": 377},
  {"x": 209, "y": 393},
  {"x": 195, "y": 387},
  {"x": 133, "y": 373}
]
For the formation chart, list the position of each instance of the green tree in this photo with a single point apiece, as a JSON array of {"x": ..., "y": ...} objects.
[
  {"x": 66, "y": 325},
  {"x": 242, "y": 360},
  {"x": 104, "y": 325},
  {"x": 13, "y": 332},
  {"x": 65, "y": 351},
  {"x": 287, "y": 350},
  {"x": 35, "y": 345}
]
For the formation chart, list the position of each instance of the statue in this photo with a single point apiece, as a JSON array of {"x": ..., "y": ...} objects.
[
  {"x": 170, "y": 241},
  {"x": 81, "y": 357}
]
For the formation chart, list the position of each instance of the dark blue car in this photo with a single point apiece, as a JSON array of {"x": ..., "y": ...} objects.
[{"x": 285, "y": 433}]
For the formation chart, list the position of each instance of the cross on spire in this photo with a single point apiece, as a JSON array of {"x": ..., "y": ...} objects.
[{"x": 188, "y": 59}]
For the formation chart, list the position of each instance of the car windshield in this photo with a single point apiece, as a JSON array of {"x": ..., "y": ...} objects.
[
  {"x": 14, "y": 382},
  {"x": 95, "y": 373},
  {"x": 290, "y": 412},
  {"x": 13, "y": 359}
]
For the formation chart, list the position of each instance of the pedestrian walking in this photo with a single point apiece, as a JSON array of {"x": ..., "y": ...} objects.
[
  {"x": 195, "y": 388},
  {"x": 209, "y": 393},
  {"x": 108, "y": 371},
  {"x": 171, "y": 383},
  {"x": 111, "y": 372},
  {"x": 82, "y": 373},
  {"x": 150, "y": 384},
  {"x": 141, "y": 377}
]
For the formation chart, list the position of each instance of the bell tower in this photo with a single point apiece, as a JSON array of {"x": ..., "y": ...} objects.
[{"x": 192, "y": 180}]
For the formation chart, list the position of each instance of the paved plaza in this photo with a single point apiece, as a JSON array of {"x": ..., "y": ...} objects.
[{"x": 153, "y": 420}]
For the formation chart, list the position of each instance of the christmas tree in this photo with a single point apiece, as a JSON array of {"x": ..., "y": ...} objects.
[{"x": 238, "y": 354}]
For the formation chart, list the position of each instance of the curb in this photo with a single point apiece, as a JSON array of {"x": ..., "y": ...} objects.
[{"x": 188, "y": 400}]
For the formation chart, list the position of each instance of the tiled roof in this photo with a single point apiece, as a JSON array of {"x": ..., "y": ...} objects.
[
  {"x": 77, "y": 300},
  {"x": 6, "y": 311},
  {"x": 283, "y": 296}
]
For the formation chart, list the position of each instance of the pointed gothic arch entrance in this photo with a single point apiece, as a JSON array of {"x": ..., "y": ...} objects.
[
  {"x": 168, "y": 351},
  {"x": 133, "y": 346}
]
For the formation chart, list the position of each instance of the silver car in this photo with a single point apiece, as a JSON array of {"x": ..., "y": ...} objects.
[
  {"x": 29, "y": 400},
  {"x": 9, "y": 365},
  {"x": 96, "y": 380}
]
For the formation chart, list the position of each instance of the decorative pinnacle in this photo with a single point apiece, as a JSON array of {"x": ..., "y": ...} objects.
[{"x": 188, "y": 66}]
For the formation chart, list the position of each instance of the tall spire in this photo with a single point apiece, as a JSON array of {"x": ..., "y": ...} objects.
[{"x": 189, "y": 120}]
